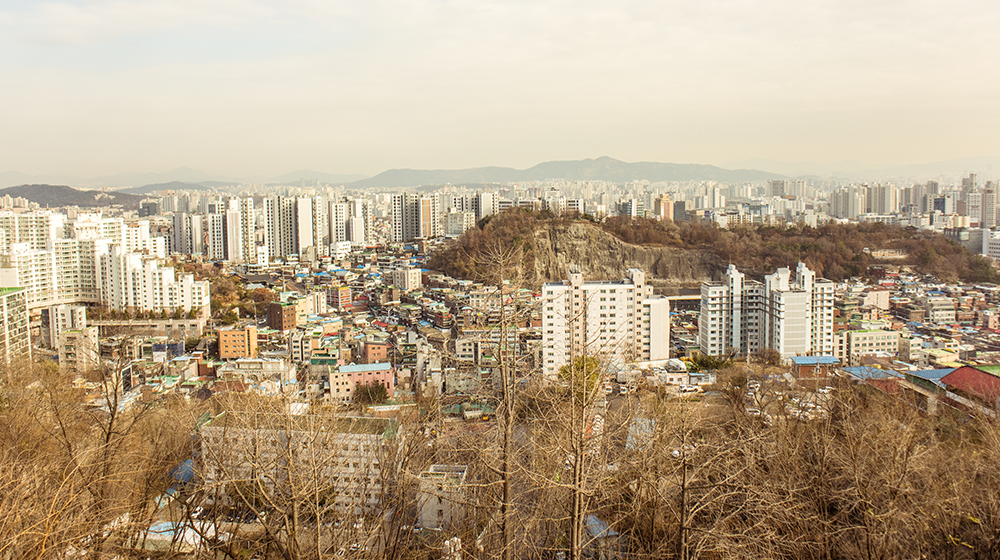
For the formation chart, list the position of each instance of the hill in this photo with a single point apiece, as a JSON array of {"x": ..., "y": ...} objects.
[
  {"x": 687, "y": 253},
  {"x": 600, "y": 169},
  {"x": 53, "y": 196}
]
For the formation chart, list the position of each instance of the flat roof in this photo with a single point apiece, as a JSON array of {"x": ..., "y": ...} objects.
[{"x": 304, "y": 422}]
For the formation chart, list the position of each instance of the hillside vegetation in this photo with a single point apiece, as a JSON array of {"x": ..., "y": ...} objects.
[
  {"x": 61, "y": 195},
  {"x": 693, "y": 252}
]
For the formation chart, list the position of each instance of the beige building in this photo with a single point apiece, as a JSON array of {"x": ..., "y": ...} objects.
[
  {"x": 79, "y": 351},
  {"x": 851, "y": 346},
  {"x": 283, "y": 456},
  {"x": 238, "y": 342},
  {"x": 406, "y": 279},
  {"x": 441, "y": 502}
]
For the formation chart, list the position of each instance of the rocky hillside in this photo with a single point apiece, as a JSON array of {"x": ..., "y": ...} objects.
[
  {"x": 551, "y": 245},
  {"x": 687, "y": 253},
  {"x": 600, "y": 254}
]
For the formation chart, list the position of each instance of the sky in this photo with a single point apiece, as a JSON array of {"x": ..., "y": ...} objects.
[{"x": 249, "y": 87}]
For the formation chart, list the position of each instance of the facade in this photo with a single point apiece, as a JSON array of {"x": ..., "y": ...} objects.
[
  {"x": 406, "y": 279},
  {"x": 299, "y": 455},
  {"x": 131, "y": 281},
  {"x": 791, "y": 315},
  {"x": 334, "y": 382},
  {"x": 15, "y": 337},
  {"x": 441, "y": 500},
  {"x": 851, "y": 346},
  {"x": 237, "y": 342},
  {"x": 617, "y": 321},
  {"x": 281, "y": 316},
  {"x": 79, "y": 351}
]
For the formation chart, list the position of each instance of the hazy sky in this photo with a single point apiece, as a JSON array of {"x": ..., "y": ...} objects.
[{"x": 244, "y": 87}]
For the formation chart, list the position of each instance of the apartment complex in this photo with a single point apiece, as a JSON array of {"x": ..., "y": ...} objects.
[
  {"x": 791, "y": 315},
  {"x": 617, "y": 321},
  {"x": 92, "y": 259},
  {"x": 132, "y": 281}
]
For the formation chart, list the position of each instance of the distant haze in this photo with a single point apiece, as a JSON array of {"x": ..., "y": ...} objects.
[{"x": 99, "y": 88}]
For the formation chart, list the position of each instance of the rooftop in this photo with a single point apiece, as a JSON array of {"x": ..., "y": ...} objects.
[{"x": 304, "y": 423}]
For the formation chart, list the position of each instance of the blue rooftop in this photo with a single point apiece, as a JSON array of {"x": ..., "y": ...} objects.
[
  {"x": 815, "y": 360},
  {"x": 934, "y": 375},
  {"x": 868, "y": 372}
]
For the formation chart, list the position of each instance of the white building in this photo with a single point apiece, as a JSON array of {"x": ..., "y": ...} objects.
[
  {"x": 79, "y": 350},
  {"x": 730, "y": 315},
  {"x": 131, "y": 281},
  {"x": 406, "y": 279},
  {"x": 61, "y": 318},
  {"x": 616, "y": 321},
  {"x": 441, "y": 500},
  {"x": 33, "y": 228},
  {"x": 792, "y": 316}
]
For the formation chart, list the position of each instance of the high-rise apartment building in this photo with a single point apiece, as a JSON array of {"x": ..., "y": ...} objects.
[
  {"x": 131, "y": 281},
  {"x": 61, "y": 318},
  {"x": 730, "y": 315},
  {"x": 616, "y": 321},
  {"x": 289, "y": 228},
  {"x": 188, "y": 234},
  {"x": 33, "y": 228},
  {"x": 15, "y": 337},
  {"x": 988, "y": 219},
  {"x": 415, "y": 216},
  {"x": 791, "y": 315}
]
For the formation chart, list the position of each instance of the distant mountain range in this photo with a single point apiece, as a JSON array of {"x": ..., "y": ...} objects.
[
  {"x": 139, "y": 182},
  {"x": 61, "y": 195},
  {"x": 600, "y": 169}
]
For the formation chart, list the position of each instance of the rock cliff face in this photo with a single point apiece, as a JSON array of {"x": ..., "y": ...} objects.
[{"x": 602, "y": 256}]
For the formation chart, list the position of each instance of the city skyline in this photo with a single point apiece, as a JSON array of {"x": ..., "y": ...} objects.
[{"x": 96, "y": 88}]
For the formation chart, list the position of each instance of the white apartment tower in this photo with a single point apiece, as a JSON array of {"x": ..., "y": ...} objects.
[
  {"x": 730, "y": 315},
  {"x": 415, "y": 216},
  {"x": 616, "y": 321},
  {"x": 791, "y": 315}
]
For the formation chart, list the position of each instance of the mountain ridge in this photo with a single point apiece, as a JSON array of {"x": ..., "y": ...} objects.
[
  {"x": 62, "y": 195},
  {"x": 603, "y": 168}
]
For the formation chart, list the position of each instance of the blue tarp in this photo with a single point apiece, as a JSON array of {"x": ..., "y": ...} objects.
[
  {"x": 183, "y": 472},
  {"x": 597, "y": 528}
]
